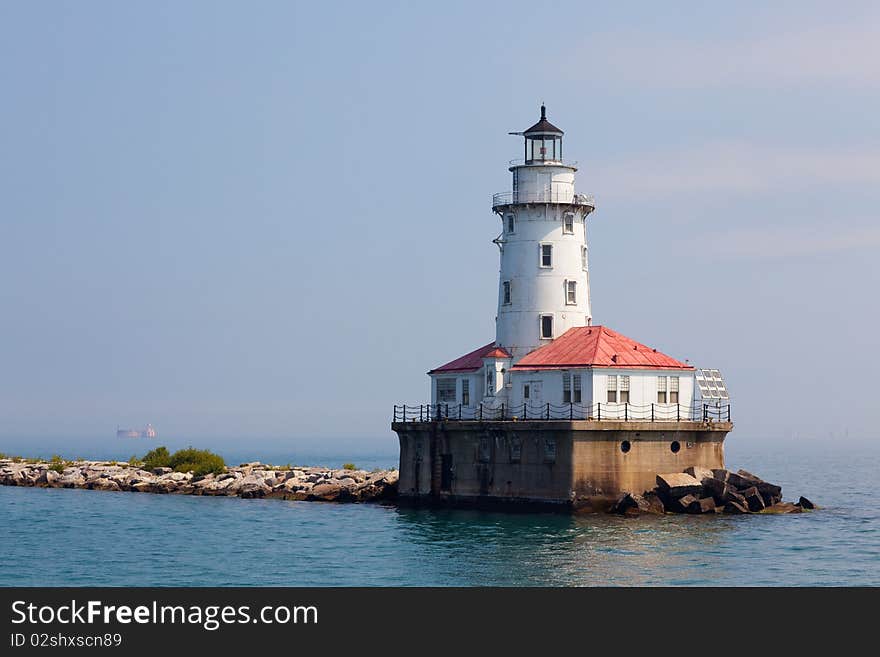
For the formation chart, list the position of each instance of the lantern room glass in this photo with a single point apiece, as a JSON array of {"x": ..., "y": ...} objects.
[{"x": 543, "y": 148}]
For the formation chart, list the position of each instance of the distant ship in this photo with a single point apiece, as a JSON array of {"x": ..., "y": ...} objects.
[{"x": 149, "y": 432}]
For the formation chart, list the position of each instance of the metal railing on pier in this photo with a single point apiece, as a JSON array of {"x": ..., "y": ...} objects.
[{"x": 531, "y": 412}]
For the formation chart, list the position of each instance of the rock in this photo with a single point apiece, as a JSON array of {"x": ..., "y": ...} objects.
[
  {"x": 735, "y": 507},
  {"x": 731, "y": 495},
  {"x": 634, "y": 505},
  {"x": 685, "y": 502},
  {"x": 678, "y": 484},
  {"x": 804, "y": 503},
  {"x": 251, "y": 490},
  {"x": 769, "y": 491},
  {"x": 783, "y": 507},
  {"x": 161, "y": 471},
  {"x": 745, "y": 474},
  {"x": 714, "y": 487},
  {"x": 703, "y": 505},
  {"x": 720, "y": 473},
  {"x": 736, "y": 479},
  {"x": 325, "y": 492},
  {"x": 698, "y": 472},
  {"x": 753, "y": 499}
]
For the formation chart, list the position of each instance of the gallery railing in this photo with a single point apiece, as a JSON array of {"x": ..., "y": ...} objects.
[{"x": 701, "y": 411}]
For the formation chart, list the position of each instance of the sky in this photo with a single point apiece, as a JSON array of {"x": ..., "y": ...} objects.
[{"x": 262, "y": 223}]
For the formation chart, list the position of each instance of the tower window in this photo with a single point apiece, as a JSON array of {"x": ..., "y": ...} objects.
[
  {"x": 546, "y": 255},
  {"x": 490, "y": 381},
  {"x": 584, "y": 258},
  {"x": 505, "y": 292},
  {"x": 571, "y": 292},
  {"x": 661, "y": 389},
  {"x": 546, "y": 327},
  {"x": 511, "y": 223},
  {"x": 466, "y": 392},
  {"x": 446, "y": 390},
  {"x": 568, "y": 223}
]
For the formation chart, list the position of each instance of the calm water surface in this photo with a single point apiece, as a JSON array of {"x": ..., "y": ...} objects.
[{"x": 77, "y": 538}]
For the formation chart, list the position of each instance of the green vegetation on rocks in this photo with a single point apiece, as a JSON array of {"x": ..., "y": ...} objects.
[{"x": 198, "y": 461}]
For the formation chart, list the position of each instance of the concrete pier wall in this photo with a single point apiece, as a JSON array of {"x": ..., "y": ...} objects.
[{"x": 581, "y": 465}]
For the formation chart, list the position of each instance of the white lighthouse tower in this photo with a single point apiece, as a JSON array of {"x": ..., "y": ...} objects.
[{"x": 544, "y": 284}]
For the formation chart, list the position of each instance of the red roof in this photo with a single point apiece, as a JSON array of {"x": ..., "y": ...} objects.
[
  {"x": 597, "y": 346},
  {"x": 498, "y": 352},
  {"x": 473, "y": 360}
]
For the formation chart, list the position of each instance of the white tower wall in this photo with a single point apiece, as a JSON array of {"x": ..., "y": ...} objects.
[
  {"x": 536, "y": 290},
  {"x": 544, "y": 273}
]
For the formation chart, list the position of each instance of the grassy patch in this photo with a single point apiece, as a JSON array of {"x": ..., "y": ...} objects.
[{"x": 349, "y": 466}]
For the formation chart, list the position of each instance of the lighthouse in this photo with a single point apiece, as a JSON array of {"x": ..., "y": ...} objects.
[
  {"x": 544, "y": 282},
  {"x": 557, "y": 409}
]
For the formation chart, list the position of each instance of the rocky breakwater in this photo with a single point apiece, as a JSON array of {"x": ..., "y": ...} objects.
[
  {"x": 250, "y": 480},
  {"x": 700, "y": 490}
]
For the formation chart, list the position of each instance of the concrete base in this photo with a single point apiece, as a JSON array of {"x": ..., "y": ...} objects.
[{"x": 581, "y": 465}]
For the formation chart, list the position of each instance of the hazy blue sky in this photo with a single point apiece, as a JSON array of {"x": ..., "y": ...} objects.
[{"x": 267, "y": 221}]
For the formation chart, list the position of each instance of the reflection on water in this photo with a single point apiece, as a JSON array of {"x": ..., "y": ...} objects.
[
  {"x": 71, "y": 537},
  {"x": 511, "y": 549}
]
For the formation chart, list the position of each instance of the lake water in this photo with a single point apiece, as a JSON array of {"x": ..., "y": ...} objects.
[{"x": 77, "y": 538}]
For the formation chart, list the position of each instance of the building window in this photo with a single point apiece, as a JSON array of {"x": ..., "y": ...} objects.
[
  {"x": 511, "y": 224},
  {"x": 584, "y": 258},
  {"x": 661, "y": 389},
  {"x": 571, "y": 388},
  {"x": 445, "y": 390},
  {"x": 612, "y": 388},
  {"x": 527, "y": 391},
  {"x": 505, "y": 292},
  {"x": 466, "y": 392},
  {"x": 568, "y": 223},
  {"x": 624, "y": 389},
  {"x": 546, "y": 327},
  {"x": 546, "y": 255},
  {"x": 673, "y": 389},
  {"x": 490, "y": 381},
  {"x": 571, "y": 293}
]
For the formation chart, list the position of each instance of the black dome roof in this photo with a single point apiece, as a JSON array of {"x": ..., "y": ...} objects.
[{"x": 543, "y": 126}]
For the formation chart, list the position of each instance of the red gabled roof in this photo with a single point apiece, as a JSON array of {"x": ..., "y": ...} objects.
[
  {"x": 473, "y": 360},
  {"x": 597, "y": 346},
  {"x": 498, "y": 352}
]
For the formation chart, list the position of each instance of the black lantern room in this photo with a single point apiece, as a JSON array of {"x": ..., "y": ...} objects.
[{"x": 543, "y": 141}]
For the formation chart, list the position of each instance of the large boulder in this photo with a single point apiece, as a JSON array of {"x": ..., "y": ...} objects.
[
  {"x": 698, "y": 472},
  {"x": 783, "y": 507},
  {"x": 804, "y": 503},
  {"x": 735, "y": 507},
  {"x": 678, "y": 484},
  {"x": 327, "y": 492},
  {"x": 702, "y": 505},
  {"x": 753, "y": 499},
  {"x": 633, "y": 505}
]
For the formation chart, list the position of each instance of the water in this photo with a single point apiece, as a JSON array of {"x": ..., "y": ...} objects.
[{"x": 78, "y": 538}]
